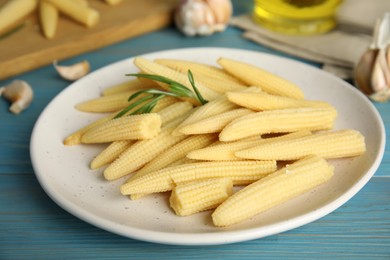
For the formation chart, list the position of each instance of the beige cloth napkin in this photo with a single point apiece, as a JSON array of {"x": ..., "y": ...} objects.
[{"x": 338, "y": 50}]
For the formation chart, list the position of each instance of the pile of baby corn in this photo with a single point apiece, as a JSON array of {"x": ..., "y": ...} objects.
[
  {"x": 14, "y": 11},
  {"x": 257, "y": 132}
]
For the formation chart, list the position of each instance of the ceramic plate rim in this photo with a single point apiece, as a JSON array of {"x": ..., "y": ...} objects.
[{"x": 196, "y": 238}]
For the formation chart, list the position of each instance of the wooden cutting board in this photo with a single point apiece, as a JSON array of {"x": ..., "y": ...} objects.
[{"x": 27, "y": 48}]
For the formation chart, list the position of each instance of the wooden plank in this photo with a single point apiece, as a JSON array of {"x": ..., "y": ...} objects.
[{"x": 27, "y": 49}]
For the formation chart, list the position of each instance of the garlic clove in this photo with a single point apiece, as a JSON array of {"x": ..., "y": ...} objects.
[
  {"x": 72, "y": 72},
  {"x": 378, "y": 78},
  {"x": 363, "y": 71},
  {"x": 19, "y": 93}
]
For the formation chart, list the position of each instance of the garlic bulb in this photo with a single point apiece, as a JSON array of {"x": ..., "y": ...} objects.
[
  {"x": 202, "y": 17},
  {"x": 372, "y": 73}
]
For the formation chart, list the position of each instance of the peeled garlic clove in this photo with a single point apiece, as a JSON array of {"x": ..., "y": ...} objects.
[
  {"x": 19, "y": 93},
  {"x": 73, "y": 72},
  {"x": 202, "y": 17}
]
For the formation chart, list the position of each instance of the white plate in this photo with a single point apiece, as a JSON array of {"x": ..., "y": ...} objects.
[{"x": 64, "y": 174}]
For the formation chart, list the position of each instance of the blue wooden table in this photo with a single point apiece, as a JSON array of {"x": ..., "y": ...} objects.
[{"x": 32, "y": 226}]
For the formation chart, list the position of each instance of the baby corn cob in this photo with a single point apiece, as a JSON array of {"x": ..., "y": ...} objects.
[
  {"x": 204, "y": 75},
  {"x": 335, "y": 144},
  {"x": 182, "y": 160},
  {"x": 198, "y": 68},
  {"x": 151, "y": 67},
  {"x": 211, "y": 108},
  {"x": 110, "y": 153},
  {"x": 48, "y": 16},
  {"x": 75, "y": 137},
  {"x": 218, "y": 85},
  {"x": 194, "y": 197},
  {"x": 175, "y": 110},
  {"x": 83, "y": 14},
  {"x": 105, "y": 104},
  {"x": 272, "y": 190},
  {"x": 214, "y": 107},
  {"x": 294, "y": 119},
  {"x": 264, "y": 101},
  {"x": 214, "y": 124},
  {"x": 135, "y": 127},
  {"x": 254, "y": 76},
  {"x": 131, "y": 85},
  {"x": 226, "y": 150},
  {"x": 241, "y": 172},
  {"x": 142, "y": 152},
  {"x": 13, "y": 12},
  {"x": 175, "y": 153}
]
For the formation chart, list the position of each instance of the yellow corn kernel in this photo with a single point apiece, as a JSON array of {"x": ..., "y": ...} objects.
[
  {"x": 151, "y": 67},
  {"x": 214, "y": 124},
  {"x": 135, "y": 127},
  {"x": 279, "y": 121},
  {"x": 175, "y": 153},
  {"x": 75, "y": 137},
  {"x": 142, "y": 152},
  {"x": 241, "y": 172},
  {"x": 255, "y": 76},
  {"x": 334, "y": 144},
  {"x": 272, "y": 190},
  {"x": 226, "y": 150},
  {"x": 130, "y": 85},
  {"x": 264, "y": 101},
  {"x": 110, "y": 153},
  {"x": 198, "y": 68},
  {"x": 106, "y": 104},
  {"x": 190, "y": 198},
  {"x": 211, "y": 108}
]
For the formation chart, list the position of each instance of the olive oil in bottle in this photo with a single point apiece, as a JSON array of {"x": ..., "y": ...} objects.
[{"x": 300, "y": 17}]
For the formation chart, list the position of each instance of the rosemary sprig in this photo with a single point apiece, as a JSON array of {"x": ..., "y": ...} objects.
[{"x": 149, "y": 101}]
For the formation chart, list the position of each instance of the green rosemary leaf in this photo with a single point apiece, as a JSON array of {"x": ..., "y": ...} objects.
[
  {"x": 152, "y": 77},
  {"x": 180, "y": 91},
  {"x": 175, "y": 89},
  {"x": 191, "y": 79},
  {"x": 133, "y": 105}
]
